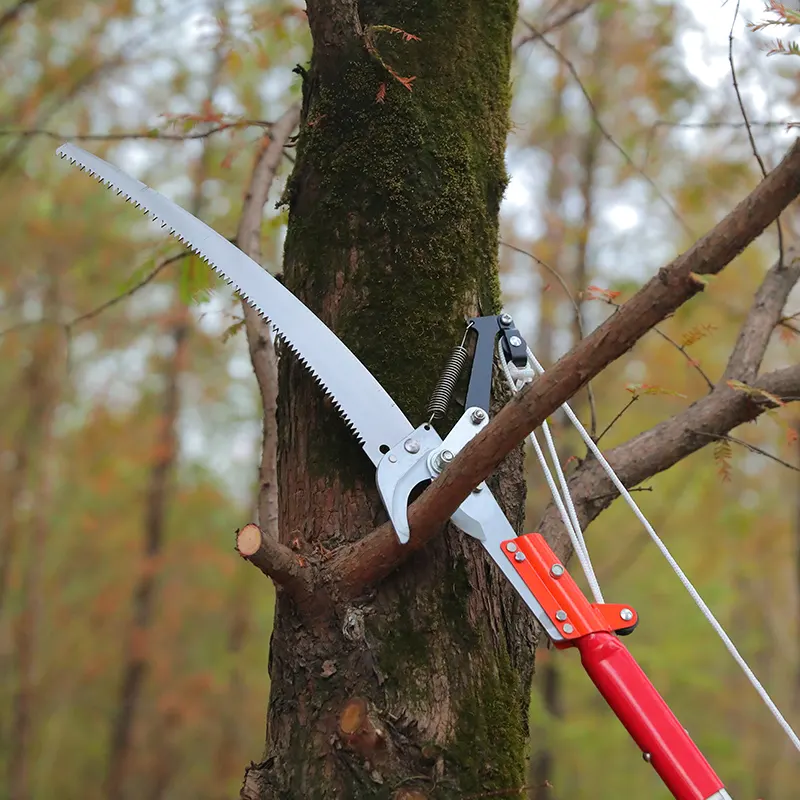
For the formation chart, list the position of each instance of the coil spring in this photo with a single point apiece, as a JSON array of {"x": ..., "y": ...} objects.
[{"x": 443, "y": 392}]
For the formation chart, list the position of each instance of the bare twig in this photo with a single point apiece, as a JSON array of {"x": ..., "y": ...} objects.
[
  {"x": 374, "y": 556},
  {"x": 95, "y": 312},
  {"x": 576, "y": 308},
  {"x": 784, "y": 323},
  {"x": 682, "y": 350},
  {"x": 554, "y": 272},
  {"x": 605, "y": 132},
  {"x": 728, "y": 438},
  {"x": 616, "y": 418},
  {"x": 747, "y": 125},
  {"x": 549, "y": 27},
  {"x": 131, "y": 135}
]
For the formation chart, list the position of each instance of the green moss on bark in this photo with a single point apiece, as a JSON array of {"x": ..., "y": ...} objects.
[
  {"x": 399, "y": 200},
  {"x": 488, "y": 749}
]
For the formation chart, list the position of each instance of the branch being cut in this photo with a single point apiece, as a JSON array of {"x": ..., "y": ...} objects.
[{"x": 370, "y": 559}]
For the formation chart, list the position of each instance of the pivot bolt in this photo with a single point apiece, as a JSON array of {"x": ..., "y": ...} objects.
[
  {"x": 519, "y": 557},
  {"x": 515, "y": 341},
  {"x": 568, "y": 628},
  {"x": 506, "y": 319},
  {"x": 561, "y": 615},
  {"x": 556, "y": 570},
  {"x": 626, "y": 614},
  {"x": 478, "y": 416},
  {"x": 442, "y": 459},
  {"x": 511, "y": 547},
  {"x": 411, "y": 446}
]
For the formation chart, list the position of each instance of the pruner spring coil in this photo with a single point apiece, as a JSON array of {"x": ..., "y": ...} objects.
[{"x": 443, "y": 391}]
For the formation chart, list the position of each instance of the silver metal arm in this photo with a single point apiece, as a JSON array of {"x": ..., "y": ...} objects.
[{"x": 422, "y": 456}]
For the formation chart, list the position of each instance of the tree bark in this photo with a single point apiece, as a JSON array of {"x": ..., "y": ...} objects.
[{"x": 392, "y": 241}]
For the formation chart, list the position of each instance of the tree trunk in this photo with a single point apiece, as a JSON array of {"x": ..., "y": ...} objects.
[{"x": 419, "y": 688}]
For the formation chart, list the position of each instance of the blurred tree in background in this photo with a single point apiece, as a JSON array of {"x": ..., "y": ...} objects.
[{"x": 132, "y": 638}]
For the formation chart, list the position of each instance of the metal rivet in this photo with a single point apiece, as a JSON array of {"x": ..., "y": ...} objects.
[
  {"x": 515, "y": 341},
  {"x": 478, "y": 416},
  {"x": 506, "y": 319},
  {"x": 478, "y": 489},
  {"x": 556, "y": 570},
  {"x": 568, "y": 628},
  {"x": 511, "y": 547},
  {"x": 647, "y": 757},
  {"x": 626, "y": 614},
  {"x": 393, "y": 459},
  {"x": 561, "y": 615},
  {"x": 411, "y": 446},
  {"x": 519, "y": 557}
]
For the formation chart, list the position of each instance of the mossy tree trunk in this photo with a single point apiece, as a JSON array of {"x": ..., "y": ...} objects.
[{"x": 419, "y": 687}]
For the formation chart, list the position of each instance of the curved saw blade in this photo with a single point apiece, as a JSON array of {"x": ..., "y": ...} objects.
[{"x": 365, "y": 405}]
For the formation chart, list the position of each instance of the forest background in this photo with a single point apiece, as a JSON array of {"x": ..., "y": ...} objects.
[{"x": 129, "y": 415}]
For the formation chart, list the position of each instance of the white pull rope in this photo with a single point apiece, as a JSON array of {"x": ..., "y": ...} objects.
[
  {"x": 518, "y": 378},
  {"x": 562, "y": 498}
]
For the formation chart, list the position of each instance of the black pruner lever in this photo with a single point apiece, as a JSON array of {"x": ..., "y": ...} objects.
[{"x": 479, "y": 390}]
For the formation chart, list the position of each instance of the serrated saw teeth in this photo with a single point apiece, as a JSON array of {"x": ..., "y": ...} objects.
[{"x": 366, "y": 408}]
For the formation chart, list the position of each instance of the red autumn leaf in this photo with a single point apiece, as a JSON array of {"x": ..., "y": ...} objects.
[
  {"x": 381, "y": 95},
  {"x": 597, "y": 293}
]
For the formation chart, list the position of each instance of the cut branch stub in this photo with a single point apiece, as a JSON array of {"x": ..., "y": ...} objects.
[
  {"x": 278, "y": 562},
  {"x": 248, "y": 540},
  {"x": 359, "y": 731}
]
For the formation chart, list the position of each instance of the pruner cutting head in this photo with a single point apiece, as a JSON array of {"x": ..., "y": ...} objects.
[{"x": 423, "y": 455}]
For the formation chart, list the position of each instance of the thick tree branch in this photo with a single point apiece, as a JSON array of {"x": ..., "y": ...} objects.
[
  {"x": 371, "y": 558},
  {"x": 764, "y": 315},
  {"x": 666, "y": 444}
]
